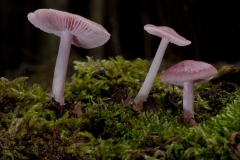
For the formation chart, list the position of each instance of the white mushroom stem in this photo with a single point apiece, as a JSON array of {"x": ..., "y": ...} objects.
[
  {"x": 188, "y": 99},
  {"x": 148, "y": 82},
  {"x": 60, "y": 71}
]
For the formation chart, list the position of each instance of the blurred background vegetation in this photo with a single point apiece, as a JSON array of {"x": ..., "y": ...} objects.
[{"x": 212, "y": 26}]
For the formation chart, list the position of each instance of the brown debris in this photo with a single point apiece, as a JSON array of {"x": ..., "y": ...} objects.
[
  {"x": 61, "y": 110},
  {"x": 235, "y": 143},
  {"x": 118, "y": 94},
  {"x": 78, "y": 110},
  {"x": 149, "y": 105},
  {"x": 138, "y": 107},
  {"x": 7, "y": 104}
]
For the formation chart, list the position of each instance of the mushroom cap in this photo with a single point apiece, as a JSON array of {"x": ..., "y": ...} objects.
[
  {"x": 86, "y": 33},
  {"x": 168, "y": 33},
  {"x": 189, "y": 70}
]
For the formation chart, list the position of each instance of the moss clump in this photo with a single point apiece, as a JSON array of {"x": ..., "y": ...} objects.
[
  {"x": 98, "y": 121},
  {"x": 98, "y": 79}
]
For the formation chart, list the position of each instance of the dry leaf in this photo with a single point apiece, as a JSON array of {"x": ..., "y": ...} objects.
[
  {"x": 232, "y": 138},
  {"x": 78, "y": 109}
]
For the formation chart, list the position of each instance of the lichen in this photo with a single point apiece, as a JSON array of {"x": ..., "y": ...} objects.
[{"x": 107, "y": 127}]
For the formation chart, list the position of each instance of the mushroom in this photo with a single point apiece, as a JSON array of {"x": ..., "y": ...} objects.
[
  {"x": 168, "y": 35},
  {"x": 72, "y": 29},
  {"x": 188, "y": 74}
]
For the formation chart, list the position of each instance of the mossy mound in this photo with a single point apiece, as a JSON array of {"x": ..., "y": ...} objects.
[{"x": 99, "y": 122}]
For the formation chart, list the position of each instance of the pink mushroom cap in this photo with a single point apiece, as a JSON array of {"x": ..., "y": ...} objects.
[
  {"x": 86, "y": 33},
  {"x": 189, "y": 70},
  {"x": 168, "y": 33}
]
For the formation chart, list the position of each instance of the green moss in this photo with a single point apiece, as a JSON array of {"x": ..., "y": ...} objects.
[
  {"x": 108, "y": 127},
  {"x": 94, "y": 78}
]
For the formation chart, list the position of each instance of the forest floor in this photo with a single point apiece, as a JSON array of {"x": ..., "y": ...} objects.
[{"x": 98, "y": 120}]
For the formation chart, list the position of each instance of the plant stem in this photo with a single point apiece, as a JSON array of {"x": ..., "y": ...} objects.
[
  {"x": 60, "y": 71},
  {"x": 188, "y": 99},
  {"x": 147, "y": 84}
]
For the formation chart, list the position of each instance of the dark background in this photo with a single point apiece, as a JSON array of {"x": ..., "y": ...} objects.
[{"x": 212, "y": 26}]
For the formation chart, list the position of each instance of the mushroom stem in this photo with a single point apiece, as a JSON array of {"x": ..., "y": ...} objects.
[
  {"x": 148, "y": 82},
  {"x": 61, "y": 67},
  {"x": 188, "y": 99}
]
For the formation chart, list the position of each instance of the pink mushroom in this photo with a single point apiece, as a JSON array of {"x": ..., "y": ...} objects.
[
  {"x": 168, "y": 35},
  {"x": 187, "y": 74},
  {"x": 72, "y": 29}
]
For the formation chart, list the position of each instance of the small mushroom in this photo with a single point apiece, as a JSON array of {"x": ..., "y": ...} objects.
[
  {"x": 168, "y": 35},
  {"x": 72, "y": 29},
  {"x": 187, "y": 74}
]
